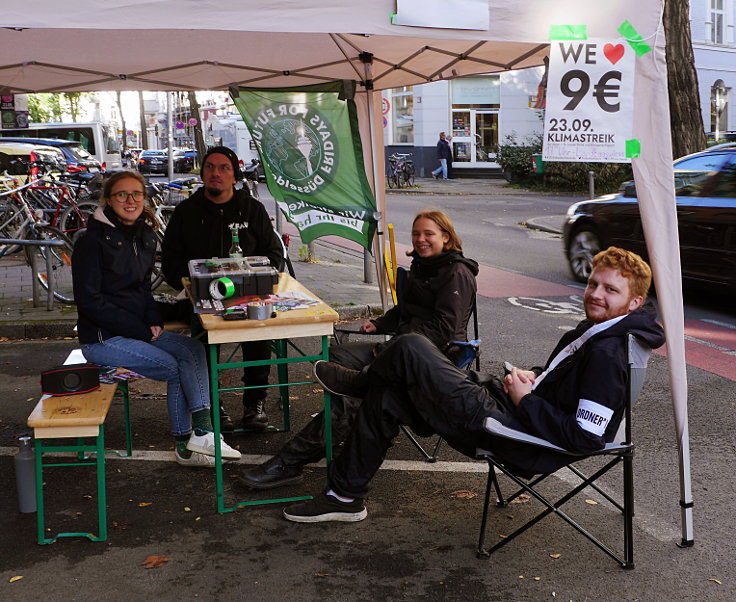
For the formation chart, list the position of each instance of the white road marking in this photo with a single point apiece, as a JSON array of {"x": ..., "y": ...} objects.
[{"x": 645, "y": 518}]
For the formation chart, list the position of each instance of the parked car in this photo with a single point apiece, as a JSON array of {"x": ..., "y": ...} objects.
[
  {"x": 16, "y": 158},
  {"x": 153, "y": 161},
  {"x": 76, "y": 157},
  {"x": 706, "y": 212},
  {"x": 184, "y": 160}
]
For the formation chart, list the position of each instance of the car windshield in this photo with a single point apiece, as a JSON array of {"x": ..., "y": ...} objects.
[{"x": 79, "y": 152}]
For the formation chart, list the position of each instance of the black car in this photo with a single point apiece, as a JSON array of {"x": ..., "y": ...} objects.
[
  {"x": 77, "y": 158},
  {"x": 705, "y": 186},
  {"x": 153, "y": 161},
  {"x": 184, "y": 160}
]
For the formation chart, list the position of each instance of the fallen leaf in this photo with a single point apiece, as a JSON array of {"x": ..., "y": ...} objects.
[
  {"x": 537, "y": 578},
  {"x": 711, "y": 579},
  {"x": 321, "y": 574},
  {"x": 463, "y": 494},
  {"x": 154, "y": 562},
  {"x": 87, "y": 497},
  {"x": 591, "y": 502},
  {"x": 144, "y": 504},
  {"x": 555, "y": 556},
  {"x": 187, "y": 509},
  {"x": 503, "y": 536},
  {"x": 16, "y": 578},
  {"x": 521, "y": 576},
  {"x": 521, "y": 499},
  {"x": 198, "y": 518}
]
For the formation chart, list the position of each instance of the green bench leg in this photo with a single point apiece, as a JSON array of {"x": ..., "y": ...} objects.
[{"x": 78, "y": 448}]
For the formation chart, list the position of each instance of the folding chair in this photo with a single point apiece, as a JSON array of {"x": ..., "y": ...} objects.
[
  {"x": 619, "y": 452},
  {"x": 469, "y": 351}
]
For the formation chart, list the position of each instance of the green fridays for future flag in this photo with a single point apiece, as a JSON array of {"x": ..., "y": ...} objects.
[{"x": 310, "y": 147}]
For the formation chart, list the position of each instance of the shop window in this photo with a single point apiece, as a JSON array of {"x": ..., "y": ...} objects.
[{"x": 402, "y": 115}]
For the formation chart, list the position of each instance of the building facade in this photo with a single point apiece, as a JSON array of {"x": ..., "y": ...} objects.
[
  {"x": 481, "y": 112},
  {"x": 712, "y": 24}
]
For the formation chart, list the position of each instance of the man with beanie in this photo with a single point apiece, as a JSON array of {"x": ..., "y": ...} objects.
[{"x": 200, "y": 228}]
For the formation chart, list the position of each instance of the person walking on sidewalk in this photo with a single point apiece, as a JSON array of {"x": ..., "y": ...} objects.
[
  {"x": 444, "y": 154},
  {"x": 200, "y": 228},
  {"x": 576, "y": 401},
  {"x": 437, "y": 303},
  {"x": 119, "y": 323}
]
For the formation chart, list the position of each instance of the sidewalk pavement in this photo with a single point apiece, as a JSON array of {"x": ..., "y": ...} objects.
[{"x": 336, "y": 277}]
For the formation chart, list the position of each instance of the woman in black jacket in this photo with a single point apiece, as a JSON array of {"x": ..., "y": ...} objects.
[
  {"x": 119, "y": 324},
  {"x": 437, "y": 303}
]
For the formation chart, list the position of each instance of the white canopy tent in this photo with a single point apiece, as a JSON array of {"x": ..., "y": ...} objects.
[{"x": 84, "y": 45}]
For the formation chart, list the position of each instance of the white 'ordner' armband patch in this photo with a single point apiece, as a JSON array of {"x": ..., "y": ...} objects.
[{"x": 593, "y": 417}]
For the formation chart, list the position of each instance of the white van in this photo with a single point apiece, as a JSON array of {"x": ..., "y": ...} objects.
[{"x": 99, "y": 139}]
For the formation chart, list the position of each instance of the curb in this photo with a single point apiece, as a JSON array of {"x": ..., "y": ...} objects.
[{"x": 538, "y": 223}]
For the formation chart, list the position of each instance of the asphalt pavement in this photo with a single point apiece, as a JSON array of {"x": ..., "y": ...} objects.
[{"x": 418, "y": 542}]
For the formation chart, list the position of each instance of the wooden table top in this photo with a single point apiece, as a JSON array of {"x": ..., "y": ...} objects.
[{"x": 316, "y": 320}]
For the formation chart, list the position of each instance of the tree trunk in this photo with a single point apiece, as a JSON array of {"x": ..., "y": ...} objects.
[
  {"x": 686, "y": 119},
  {"x": 198, "y": 137},
  {"x": 144, "y": 123},
  {"x": 122, "y": 120}
]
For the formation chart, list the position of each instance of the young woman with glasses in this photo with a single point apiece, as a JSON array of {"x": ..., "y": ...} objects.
[{"x": 120, "y": 325}]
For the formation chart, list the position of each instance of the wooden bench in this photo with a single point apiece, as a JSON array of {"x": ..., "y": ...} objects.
[{"x": 79, "y": 418}]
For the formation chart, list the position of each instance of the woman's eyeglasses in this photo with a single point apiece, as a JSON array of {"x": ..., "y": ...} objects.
[{"x": 121, "y": 197}]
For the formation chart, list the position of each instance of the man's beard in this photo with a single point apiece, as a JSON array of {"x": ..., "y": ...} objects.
[{"x": 214, "y": 192}]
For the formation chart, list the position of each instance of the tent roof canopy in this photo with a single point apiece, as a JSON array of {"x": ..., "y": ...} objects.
[{"x": 213, "y": 60}]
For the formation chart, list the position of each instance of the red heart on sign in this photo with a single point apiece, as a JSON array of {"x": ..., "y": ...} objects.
[{"x": 613, "y": 53}]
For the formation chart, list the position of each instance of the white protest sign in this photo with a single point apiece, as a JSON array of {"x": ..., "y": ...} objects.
[{"x": 590, "y": 98}]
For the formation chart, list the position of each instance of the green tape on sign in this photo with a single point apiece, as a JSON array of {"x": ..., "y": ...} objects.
[
  {"x": 632, "y": 36},
  {"x": 568, "y": 32},
  {"x": 392, "y": 17},
  {"x": 633, "y": 148}
]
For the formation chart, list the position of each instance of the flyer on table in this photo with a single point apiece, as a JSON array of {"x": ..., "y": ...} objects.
[{"x": 590, "y": 94}]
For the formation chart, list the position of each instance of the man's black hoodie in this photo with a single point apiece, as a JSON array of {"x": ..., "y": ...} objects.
[{"x": 200, "y": 229}]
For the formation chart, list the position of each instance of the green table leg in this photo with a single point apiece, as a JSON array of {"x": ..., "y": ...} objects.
[
  {"x": 282, "y": 351},
  {"x": 215, "y": 401}
]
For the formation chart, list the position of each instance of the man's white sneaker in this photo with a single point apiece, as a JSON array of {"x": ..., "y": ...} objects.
[
  {"x": 196, "y": 460},
  {"x": 205, "y": 444}
]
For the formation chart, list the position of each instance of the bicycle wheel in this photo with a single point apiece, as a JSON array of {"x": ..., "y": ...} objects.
[
  {"x": 409, "y": 174},
  {"x": 157, "y": 276},
  {"x": 11, "y": 226},
  {"x": 400, "y": 177},
  {"x": 61, "y": 262},
  {"x": 75, "y": 217}
]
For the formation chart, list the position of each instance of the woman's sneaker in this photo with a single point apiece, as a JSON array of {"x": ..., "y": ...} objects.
[
  {"x": 205, "y": 444},
  {"x": 196, "y": 460},
  {"x": 326, "y": 508}
]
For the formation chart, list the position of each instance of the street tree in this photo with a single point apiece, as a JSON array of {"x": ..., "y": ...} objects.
[
  {"x": 197, "y": 114},
  {"x": 686, "y": 119}
]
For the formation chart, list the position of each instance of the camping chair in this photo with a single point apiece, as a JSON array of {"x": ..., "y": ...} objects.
[
  {"x": 618, "y": 452},
  {"x": 469, "y": 351}
]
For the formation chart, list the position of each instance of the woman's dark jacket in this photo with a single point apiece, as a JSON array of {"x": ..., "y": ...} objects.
[
  {"x": 111, "y": 269},
  {"x": 200, "y": 229},
  {"x": 437, "y": 301}
]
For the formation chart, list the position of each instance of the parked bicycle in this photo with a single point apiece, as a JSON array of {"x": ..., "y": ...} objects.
[
  {"x": 32, "y": 226},
  {"x": 400, "y": 170}
]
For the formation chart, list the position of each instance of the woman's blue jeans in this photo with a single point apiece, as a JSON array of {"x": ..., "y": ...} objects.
[{"x": 178, "y": 360}]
